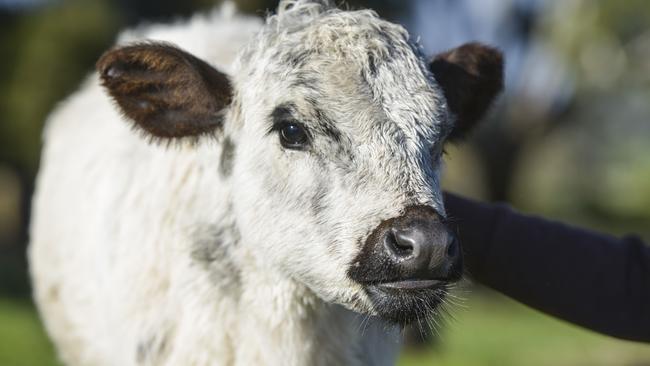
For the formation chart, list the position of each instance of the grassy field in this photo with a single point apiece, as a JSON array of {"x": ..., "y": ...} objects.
[
  {"x": 22, "y": 341},
  {"x": 491, "y": 330}
]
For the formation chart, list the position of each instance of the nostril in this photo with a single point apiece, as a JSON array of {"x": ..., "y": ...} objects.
[
  {"x": 453, "y": 249},
  {"x": 399, "y": 245}
]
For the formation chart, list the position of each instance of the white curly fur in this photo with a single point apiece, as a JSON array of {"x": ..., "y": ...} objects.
[{"x": 144, "y": 254}]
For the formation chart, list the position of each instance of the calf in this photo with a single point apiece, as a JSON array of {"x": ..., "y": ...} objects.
[{"x": 228, "y": 192}]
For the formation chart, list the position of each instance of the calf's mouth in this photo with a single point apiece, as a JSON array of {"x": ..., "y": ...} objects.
[{"x": 408, "y": 264}]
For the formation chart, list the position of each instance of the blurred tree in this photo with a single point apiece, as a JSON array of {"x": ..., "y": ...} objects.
[
  {"x": 138, "y": 11},
  {"x": 46, "y": 51},
  {"x": 594, "y": 167},
  {"x": 50, "y": 50}
]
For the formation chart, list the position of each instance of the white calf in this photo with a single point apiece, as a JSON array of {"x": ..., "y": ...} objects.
[{"x": 287, "y": 181}]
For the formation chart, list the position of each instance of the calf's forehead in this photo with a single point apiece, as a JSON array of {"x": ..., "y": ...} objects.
[
  {"x": 396, "y": 95},
  {"x": 359, "y": 69}
]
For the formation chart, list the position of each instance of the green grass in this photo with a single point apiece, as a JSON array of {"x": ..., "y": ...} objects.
[
  {"x": 492, "y": 330},
  {"x": 22, "y": 338}
]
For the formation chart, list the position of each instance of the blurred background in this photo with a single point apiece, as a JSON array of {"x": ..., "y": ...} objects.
[{"x": 569, "y": 139}]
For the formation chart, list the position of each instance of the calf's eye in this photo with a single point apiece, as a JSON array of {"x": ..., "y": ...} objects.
[{"x": 293, "y": 136}]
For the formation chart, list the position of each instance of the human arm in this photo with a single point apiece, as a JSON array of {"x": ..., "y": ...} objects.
[{"x": 594, "y": 280}]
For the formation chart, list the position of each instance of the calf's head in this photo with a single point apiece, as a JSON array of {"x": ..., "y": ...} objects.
[{"x": 332, "y": 128}]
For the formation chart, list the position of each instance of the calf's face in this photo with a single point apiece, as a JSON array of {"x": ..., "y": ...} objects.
[{"x": 332, "y": 151}]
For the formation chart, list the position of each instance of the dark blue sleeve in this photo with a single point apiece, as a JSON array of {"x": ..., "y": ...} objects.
[{"x": 587, "y": 278}]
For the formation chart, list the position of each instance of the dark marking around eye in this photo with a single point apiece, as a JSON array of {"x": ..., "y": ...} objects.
[
  {"x": 283, "y": 112},
  {"x": 286, "y": 113},
  {"x": 327, "y": 125}
]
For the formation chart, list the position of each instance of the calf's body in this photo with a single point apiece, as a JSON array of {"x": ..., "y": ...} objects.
[{"x": 152, "y": 245}]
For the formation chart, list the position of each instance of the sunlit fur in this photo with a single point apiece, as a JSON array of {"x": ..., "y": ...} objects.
[{"x": 148, "y": 254}]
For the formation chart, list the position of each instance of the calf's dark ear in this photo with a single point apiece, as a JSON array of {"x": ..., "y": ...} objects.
[
  {"x": 166, "y": 91},
  {"x": 471, "y": 76}
]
